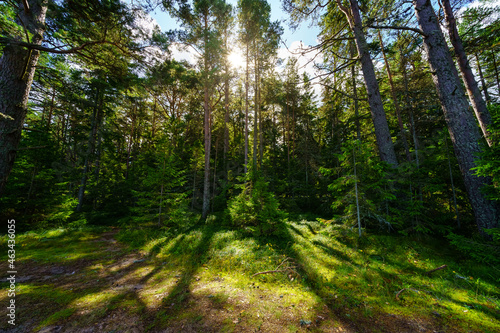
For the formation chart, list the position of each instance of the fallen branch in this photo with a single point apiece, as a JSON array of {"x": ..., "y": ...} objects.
[
  {"x": 436, "y": 269},
  {"x": 415, "y": 290},
  {"x": 287, "y": 269},
  {"x": 399, "y": 292},
  {"x": 269, "y": 272}
]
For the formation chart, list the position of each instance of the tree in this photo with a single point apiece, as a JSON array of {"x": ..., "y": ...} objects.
[
  {"x": 382, "y": 133},
  {"x": 461, "y": 123},
  {"x": 205, "y": 24},
  {"x": 477, "y": 102},
  {"x": 17, "y": 68},
  {"x": 98, "y": 32}
]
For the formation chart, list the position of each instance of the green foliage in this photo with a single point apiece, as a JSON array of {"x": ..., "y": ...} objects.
[
  {"x": 159, "y": 196},
  {"x": 488, "y": 165},
  {"x": 255, "y": 208},
  {"x": 373, "y": 185},
  {"x": 487, "y": 252}
]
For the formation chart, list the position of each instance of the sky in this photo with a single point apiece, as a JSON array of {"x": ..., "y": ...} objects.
[
  {"x": 305, "y": 33},
  {"x": 292, "y": 40}
]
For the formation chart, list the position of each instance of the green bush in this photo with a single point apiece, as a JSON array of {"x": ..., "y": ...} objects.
[
  {"x": 480, "y": 250},
  {"x": 488, "y": 165},
  {"x": 255, "y": 208}
]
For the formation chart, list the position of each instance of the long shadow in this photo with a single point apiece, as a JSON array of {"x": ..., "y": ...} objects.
[
  {"x": 180, "y": 294},
  {"x": 345, "y": 300},
  {"x": 61, "y": 291},
  {"x": 315, "y": 281},
  {"x": 331, "y": 251}
]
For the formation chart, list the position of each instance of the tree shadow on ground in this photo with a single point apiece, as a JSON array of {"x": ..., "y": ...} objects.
[
  {"x": 108, "y": 297},
  {"x": 348, "y": 308}
]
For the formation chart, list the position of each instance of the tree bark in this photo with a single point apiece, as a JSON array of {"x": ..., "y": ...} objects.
[
  {"x": 382, "y": 133},
  {"x": 355, "y": 95},
  {"x": 17, "y": 68},
  {"x": 207, "y": 107},
  {"x": 226, "y": 120},
  {"x": 477, "y": 102},
  {"x": 90, "y": 150},
  {"x": 495, "y": 66},
  {"x": 394, "y": 98},
  {"x": 483, "y": 82},
  {"x": 256, "y": 109},
  {"x": 461, "y": 123},
  {"x": 246, "y": 109}
]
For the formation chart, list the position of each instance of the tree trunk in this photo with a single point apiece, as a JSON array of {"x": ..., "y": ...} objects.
[
  {"x": 207, "y": 107},
  {"x": 452, "y": 183},
  {"x": 477, "y": 102},
  {"x": 483, "y": 82},
  {"x": 382, "y": 133},
  {"x": 17, "y": 68},
  {"x": 461, "y": 123},
  {"x": 394, "y": 98},
  {"x": 226, "y": 121},
  {"x": 131, "y": 140},
  {"x": 90, "y": 151},
  {"x": 256, "y": 110},
  {"x": 355, "y": 95},
  {"x": 51, "y": 110},
  {"x": 247, "y": 79},
  {"x": 356, "y": 191},
  {"x": 495, "y": 66},
  {"x": 261, "y": 132}
]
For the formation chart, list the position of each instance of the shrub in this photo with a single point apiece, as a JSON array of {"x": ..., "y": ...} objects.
[{"x": 255, "y": 208}]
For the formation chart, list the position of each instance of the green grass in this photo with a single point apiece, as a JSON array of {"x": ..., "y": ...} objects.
[{"x": 202, "y": 278}]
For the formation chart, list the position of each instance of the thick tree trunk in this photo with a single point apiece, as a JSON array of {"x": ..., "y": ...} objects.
[
  {"x": 395, "y": 99},
  {"x": 382, "y": 133},
  {"x": 461, "y": 123},
  {"x": 17, "y": 68},
  {"x": 477, "y": 102}
]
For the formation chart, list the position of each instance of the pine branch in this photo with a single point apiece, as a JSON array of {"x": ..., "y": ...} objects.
[{"x": 394, "y": 27}]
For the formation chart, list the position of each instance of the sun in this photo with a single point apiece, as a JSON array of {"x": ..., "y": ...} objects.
[{"x": 236, "y": 59}]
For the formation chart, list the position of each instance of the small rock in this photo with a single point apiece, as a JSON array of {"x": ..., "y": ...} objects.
[
  {"x": 305, "y": 322},
  {"x": 437, "y": 314}
]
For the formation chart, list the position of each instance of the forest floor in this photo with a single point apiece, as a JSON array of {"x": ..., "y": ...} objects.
[{"x": 144, "y": 279}]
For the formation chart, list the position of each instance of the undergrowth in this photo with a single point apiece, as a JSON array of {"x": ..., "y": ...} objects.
[{"x": 319, "y": 276}]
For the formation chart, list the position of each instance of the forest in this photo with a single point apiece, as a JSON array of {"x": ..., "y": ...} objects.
[{"x": 352, "y": 185}]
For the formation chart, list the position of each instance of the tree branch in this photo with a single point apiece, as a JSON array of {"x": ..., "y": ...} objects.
[
  {"x": 436, "y": 269},
  {"x": 340, "y": 92},
  {"x": 30, "y": 148},
  {"x": 75, "y": 49},
  {"x": 394, "y": 27},
  {"x": 268, "y": 272},
  {"x": 26, "y": 6}
]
